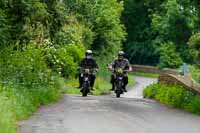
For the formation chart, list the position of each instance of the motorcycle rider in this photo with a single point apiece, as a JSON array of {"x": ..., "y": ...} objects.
[
  {"x": 88, "y": 62},
  {"x": 123, "y": 63}
]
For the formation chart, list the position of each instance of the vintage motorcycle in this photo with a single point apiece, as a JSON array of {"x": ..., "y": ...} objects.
[
  {"x": 119, "y": 82},
  {"x": 86, "y": 88}
]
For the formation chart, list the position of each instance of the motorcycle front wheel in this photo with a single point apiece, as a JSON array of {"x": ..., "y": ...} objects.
[
  {"x": 85, "y": 90},
  {"x": 119, "y": 90}
]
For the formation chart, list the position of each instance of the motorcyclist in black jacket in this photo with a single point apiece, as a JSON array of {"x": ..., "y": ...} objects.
[{"x": 88, "y": 62}]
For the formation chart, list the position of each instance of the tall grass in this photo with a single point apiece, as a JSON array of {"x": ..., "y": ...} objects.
[
  {"x": 26, "y": 83},
  {"x": 18, "y": 103}
]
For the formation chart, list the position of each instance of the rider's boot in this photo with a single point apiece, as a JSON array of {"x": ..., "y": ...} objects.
[
  {"x": 113, "y": 87},
  {"x": 124, "y": 88}
]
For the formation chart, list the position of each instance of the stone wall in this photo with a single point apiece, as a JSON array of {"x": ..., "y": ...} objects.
[
  {"x": 151, "y": 69},
  {"x": 169, "y": 76},
  {"x": 186, "y": 82}
]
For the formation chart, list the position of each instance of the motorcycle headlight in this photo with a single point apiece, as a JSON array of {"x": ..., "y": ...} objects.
[
  {"x": 120, "y": 71},
  {"x": 87, "y": 71}
]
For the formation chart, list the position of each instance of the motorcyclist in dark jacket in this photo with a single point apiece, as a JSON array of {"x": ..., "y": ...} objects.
[
  {"x": 123, "y": 63},
  {"x": 88, "y": 62}
]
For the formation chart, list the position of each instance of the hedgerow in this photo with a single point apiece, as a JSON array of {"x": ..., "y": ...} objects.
[{"x": 174, "y": 96}]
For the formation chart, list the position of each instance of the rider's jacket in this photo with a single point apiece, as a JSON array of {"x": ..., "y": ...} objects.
[
  {"x": 124, "y": 64},
  {"x": 88, "y": 63}
]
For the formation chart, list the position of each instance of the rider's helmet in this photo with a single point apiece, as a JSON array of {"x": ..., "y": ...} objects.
[
  {"x": 88, "y": 52},
  {"x": 121, "y": 53}
]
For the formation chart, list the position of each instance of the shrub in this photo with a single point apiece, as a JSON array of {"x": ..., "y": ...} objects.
[
  {"x": 25, "y": 68},
  {"x": 174, "y": 96},
  {"x": 169, "y": 57},
  {"x": 194, "y": 45},
  {"x": 25, "y": 84},
  {"x": 64, "y": 59},
  {"x": 195, "y": 73}
]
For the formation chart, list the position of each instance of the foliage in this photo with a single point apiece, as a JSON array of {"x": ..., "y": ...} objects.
[
  {"x": 159, "y": 22},
  {"x": 41, "y": 39},
  {"x": 169, "y": 57},
  {"x": 25, "y": 84},
  {"x": 26, "y": 68},
  {"x": 138, "y": 44},
  {"x": 195, "y": 73},
  {"x": 174, "y": 96},
  {"x": 64, "y": 60},
  {"x": 194, "y": 44},
  {"x": 174, "y": 23},
  {"x": 104, "y": 22}
]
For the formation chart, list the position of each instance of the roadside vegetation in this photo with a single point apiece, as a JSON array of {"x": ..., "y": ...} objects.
[
  {"x": 174, "y": 96},
  {"x": 41, "y": 44},
  {"x": 166, "y": 34}
]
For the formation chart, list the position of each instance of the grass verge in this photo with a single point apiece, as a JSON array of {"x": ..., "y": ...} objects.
[
  {"x": 19, "y": 102},
  {"x": 174, "y": 96}
]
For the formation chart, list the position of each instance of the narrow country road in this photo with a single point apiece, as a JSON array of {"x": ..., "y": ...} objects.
[{"x": 107, "y": 114}]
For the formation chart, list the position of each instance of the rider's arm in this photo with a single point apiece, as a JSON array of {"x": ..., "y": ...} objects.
[
  {"x": 128, "y": 66},
  {"x": 111, "y": 66}
]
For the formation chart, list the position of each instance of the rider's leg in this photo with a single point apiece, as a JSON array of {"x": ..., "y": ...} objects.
[
  {"x": 80, "y": 80},
  {"x": 112, "y": 81},
  {"x": 125, "y": 82},
  {"x": 92, "y": 80}
]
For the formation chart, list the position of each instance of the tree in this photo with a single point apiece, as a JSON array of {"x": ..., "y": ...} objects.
[
  {"x": 138, "y": 44},
  {"x": 169, "y": 58},
  {"x": 104, "y": 22},
  {"x": 174, "y": 23},
  {"x": 4, "y": 29},
  {"x": 194, "y": 45}
]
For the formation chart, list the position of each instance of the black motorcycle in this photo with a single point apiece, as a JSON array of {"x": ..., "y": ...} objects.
[
  {"x": 119, "y": 82},
  {"x": 86, "y": 82}
]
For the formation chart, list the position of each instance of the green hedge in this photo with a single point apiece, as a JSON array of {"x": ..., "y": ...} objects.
[
  {"x": 174, "y": 96},
  {"x": 25, "y": 84},
  {"x": 64, "y": 59},
  {"x": 195, "y": 72}
]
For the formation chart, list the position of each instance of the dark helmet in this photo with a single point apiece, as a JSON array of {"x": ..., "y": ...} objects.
[
  {"x": 88, "y": 52},
  {"x": 121, "y": 53}
]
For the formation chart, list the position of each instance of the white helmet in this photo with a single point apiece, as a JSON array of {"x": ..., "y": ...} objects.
[
  {"x": 121, "y": 53},
  {"x": 88, "y": 52}
]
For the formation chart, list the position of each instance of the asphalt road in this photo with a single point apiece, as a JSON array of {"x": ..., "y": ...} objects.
[{"x": 107, "y": 114}]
